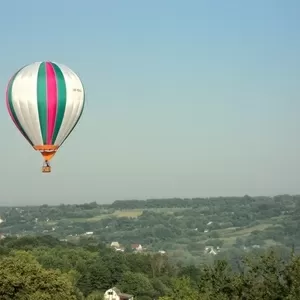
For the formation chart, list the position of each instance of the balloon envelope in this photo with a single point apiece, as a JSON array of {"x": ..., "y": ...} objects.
[{"x": 45, "y": 101}]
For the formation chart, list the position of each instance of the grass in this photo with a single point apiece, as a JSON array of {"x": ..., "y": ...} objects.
[
  {"x": 236, "y": 231},
  {"x": 132, "y": 213},
  {"x": 229, "y": 235},
  {"x": 246, "y": 231},
  {"x": 129, "y": 213},
  {"x": 166, "y": 210}
]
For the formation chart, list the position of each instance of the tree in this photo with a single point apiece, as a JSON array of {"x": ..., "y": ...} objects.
[
  {"x": 100, "y": 276},
  {"x": 137, "y": 284},
  {"x": 191, "y": 272},
  {"x": 22, "y": 277},
  {"x": 160, "y": 288},
  {"x": 183, "y": 289},
  {"x": 95, "y": 296}
]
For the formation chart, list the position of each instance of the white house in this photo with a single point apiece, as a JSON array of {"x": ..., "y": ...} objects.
[
  {"x": 120, "y": 249},
  {"x": 115, "y": 245},
  {"x": 115, "y": 294},
  {"x": 137, "y": 247},
  {"x": 211, "y": 250}
]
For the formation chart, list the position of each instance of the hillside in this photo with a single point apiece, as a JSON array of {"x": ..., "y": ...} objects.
[{"x": 189, "y": 230}]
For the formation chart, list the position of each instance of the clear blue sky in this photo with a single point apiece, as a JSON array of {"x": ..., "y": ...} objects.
[{"x": 184, "y": 98}]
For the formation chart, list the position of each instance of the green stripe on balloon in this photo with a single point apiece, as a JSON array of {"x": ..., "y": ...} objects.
[{"x": 42, "y": 100}]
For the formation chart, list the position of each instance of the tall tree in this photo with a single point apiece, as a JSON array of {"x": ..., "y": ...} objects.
[{"x": 22, "y": 277}]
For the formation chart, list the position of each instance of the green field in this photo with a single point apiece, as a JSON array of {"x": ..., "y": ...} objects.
[
  {"x": 229, "y": 235},
  {"x": 134, "y": 213},
  {"x": 131, "y": 213}
]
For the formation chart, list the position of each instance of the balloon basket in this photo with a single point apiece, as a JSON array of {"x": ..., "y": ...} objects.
[{"x": 46, "y": 169}]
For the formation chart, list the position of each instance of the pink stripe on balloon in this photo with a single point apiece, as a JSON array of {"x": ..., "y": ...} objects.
[{"x": 51, "y": 101}]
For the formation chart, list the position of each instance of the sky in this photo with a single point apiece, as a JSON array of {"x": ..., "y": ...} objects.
[{"x": 183, "y": 99}]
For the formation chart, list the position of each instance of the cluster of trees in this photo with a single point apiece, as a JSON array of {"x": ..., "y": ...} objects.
[{"x": 44, "y": 268}]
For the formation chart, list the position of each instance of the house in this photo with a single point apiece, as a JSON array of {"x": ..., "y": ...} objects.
[
  {"x": 120, "y": 249},
  {"x": 115, "y": 245},
  {"x": 137, "y": 247},
  {"x": 211, "y": 250},
  {"x": 115, "y": 294}
]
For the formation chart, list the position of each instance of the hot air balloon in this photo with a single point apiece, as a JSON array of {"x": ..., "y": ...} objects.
[{"x": 45, "y": 100}]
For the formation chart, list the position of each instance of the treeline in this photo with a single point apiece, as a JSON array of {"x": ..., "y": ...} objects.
[
  {"x": 207, "y": 203},
  {"x": 265, "y": 202},
  {"x": 207, "y": 206},
  {"x": 172, "y": 203},
  {"x": 44, "y": 268}
]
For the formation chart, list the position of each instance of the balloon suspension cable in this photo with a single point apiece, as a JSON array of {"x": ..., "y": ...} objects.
[{"x": 46, "y": 167}]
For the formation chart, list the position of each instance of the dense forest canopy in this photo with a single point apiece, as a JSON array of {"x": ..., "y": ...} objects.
[{"x": 42, "y": 267}]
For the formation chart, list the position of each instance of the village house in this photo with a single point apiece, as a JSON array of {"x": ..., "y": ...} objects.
[
  {"x": 115, "y": 294},
  {"x": 211, "y": 250},
  {"x": 89, "y": 233},
  {"x": 137, "y": 247},
  {"x": 120, "y": 249},
  {"x": 115, "y": 245}
]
